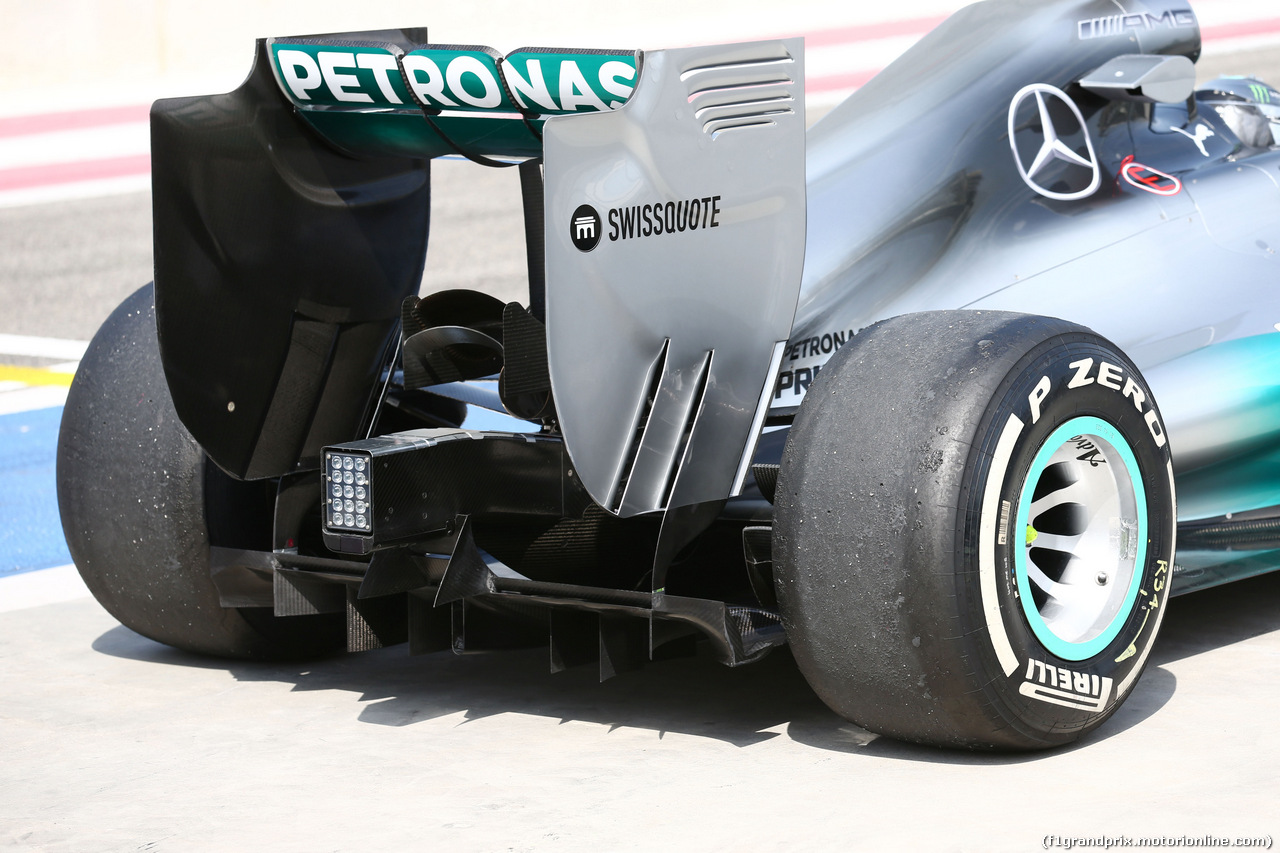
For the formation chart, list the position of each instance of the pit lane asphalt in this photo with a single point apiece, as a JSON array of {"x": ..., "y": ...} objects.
[
  {"x": 65, "y": 266},
  {"x": 111, "y": 742}
]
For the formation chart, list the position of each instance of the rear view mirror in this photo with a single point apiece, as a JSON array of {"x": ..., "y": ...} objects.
[{"x": 1142, "y": 77}]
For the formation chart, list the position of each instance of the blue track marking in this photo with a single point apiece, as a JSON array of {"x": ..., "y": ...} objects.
[
  {"x": 30, "y": 530},
  {"x": 485, "y": 419}
]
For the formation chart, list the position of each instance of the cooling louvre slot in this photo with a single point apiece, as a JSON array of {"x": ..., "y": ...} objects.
[
  {"x": 741, "y": 107},
  {"x": 715, "y": 128},
  {"x": 780, "y": 85},
  {"x": 739, "y": 67},
  {"x": 740, "y": 94},
  {"x": 752, "y": 106}
]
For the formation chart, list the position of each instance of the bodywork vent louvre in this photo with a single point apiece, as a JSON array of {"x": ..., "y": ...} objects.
[{"x": 741, "y": 92}]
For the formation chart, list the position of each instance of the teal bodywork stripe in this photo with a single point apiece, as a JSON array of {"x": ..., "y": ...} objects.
[
  {"x": 1226, "y": 395},
  {"x": 1246, "y": 482}
]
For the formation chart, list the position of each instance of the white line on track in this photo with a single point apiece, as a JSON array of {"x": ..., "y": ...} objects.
[
  {"x": 35, "y": 589},
  {"x": 37, "y": 347},
  {"x": 16, "y": 397},
  {"x": 73, "y": 190},
  {"x": 90, "y": 143}
]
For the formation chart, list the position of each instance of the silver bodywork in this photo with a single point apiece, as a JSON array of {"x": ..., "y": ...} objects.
[
  {"x": 916, "y": 202},
  {"x": 1028, "y": 156},
  {"x": 662, "y": 346}
]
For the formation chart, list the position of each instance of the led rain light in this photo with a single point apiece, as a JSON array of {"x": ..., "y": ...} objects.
[{"x": 348, "y": 507}]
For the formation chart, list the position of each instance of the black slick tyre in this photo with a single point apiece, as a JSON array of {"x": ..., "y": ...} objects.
[
  {"x": 974, "y": 530},
  {"x": 138, "y": 499}
]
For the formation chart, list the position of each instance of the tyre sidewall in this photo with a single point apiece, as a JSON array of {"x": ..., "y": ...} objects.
[
  {"x": 133, "y": 496},
  {"x": 1043, "y": 696}
]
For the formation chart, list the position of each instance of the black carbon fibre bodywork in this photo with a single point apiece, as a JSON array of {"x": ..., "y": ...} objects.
[
  {"x": 280, "y": 266},
  {"x": 420, "y": 481}
]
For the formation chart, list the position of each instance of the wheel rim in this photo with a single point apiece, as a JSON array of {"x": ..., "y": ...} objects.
[{"x": 1080, "y": 537}]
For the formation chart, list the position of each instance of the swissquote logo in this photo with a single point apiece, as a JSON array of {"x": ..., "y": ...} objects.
[
  {"x": 584, "y": 228},
  {"x": 644, "y": 220}
]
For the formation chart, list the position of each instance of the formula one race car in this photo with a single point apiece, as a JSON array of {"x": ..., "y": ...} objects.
[{"x": 767, "y": 387}]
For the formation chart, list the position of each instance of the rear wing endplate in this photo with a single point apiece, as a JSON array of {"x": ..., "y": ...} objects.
[{"x": 673, "y": 236}]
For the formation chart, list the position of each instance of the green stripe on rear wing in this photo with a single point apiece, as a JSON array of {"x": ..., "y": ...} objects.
[{"x": 371, "y": 96}]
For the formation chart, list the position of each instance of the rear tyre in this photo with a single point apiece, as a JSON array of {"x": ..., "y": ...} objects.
[
  {"x": 974, "y": 530},
  {"x": 138, "y": 496}
]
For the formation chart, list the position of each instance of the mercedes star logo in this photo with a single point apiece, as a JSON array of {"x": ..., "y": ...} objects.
[{"x": 1052, "y": 148}]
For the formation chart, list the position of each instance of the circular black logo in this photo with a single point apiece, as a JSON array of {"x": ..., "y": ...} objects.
[{"x": 584, "y": 228}]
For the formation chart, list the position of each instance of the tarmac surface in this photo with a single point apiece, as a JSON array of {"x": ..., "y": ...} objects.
[{"x": 110, "y": 742}]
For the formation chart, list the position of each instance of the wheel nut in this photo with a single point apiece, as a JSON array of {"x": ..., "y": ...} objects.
[{"x": 1102, "y": 578}]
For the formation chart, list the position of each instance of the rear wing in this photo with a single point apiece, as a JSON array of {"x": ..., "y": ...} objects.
[
  {"x": 672, "y": 227},
  {"x": 378, "y": 96}
]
